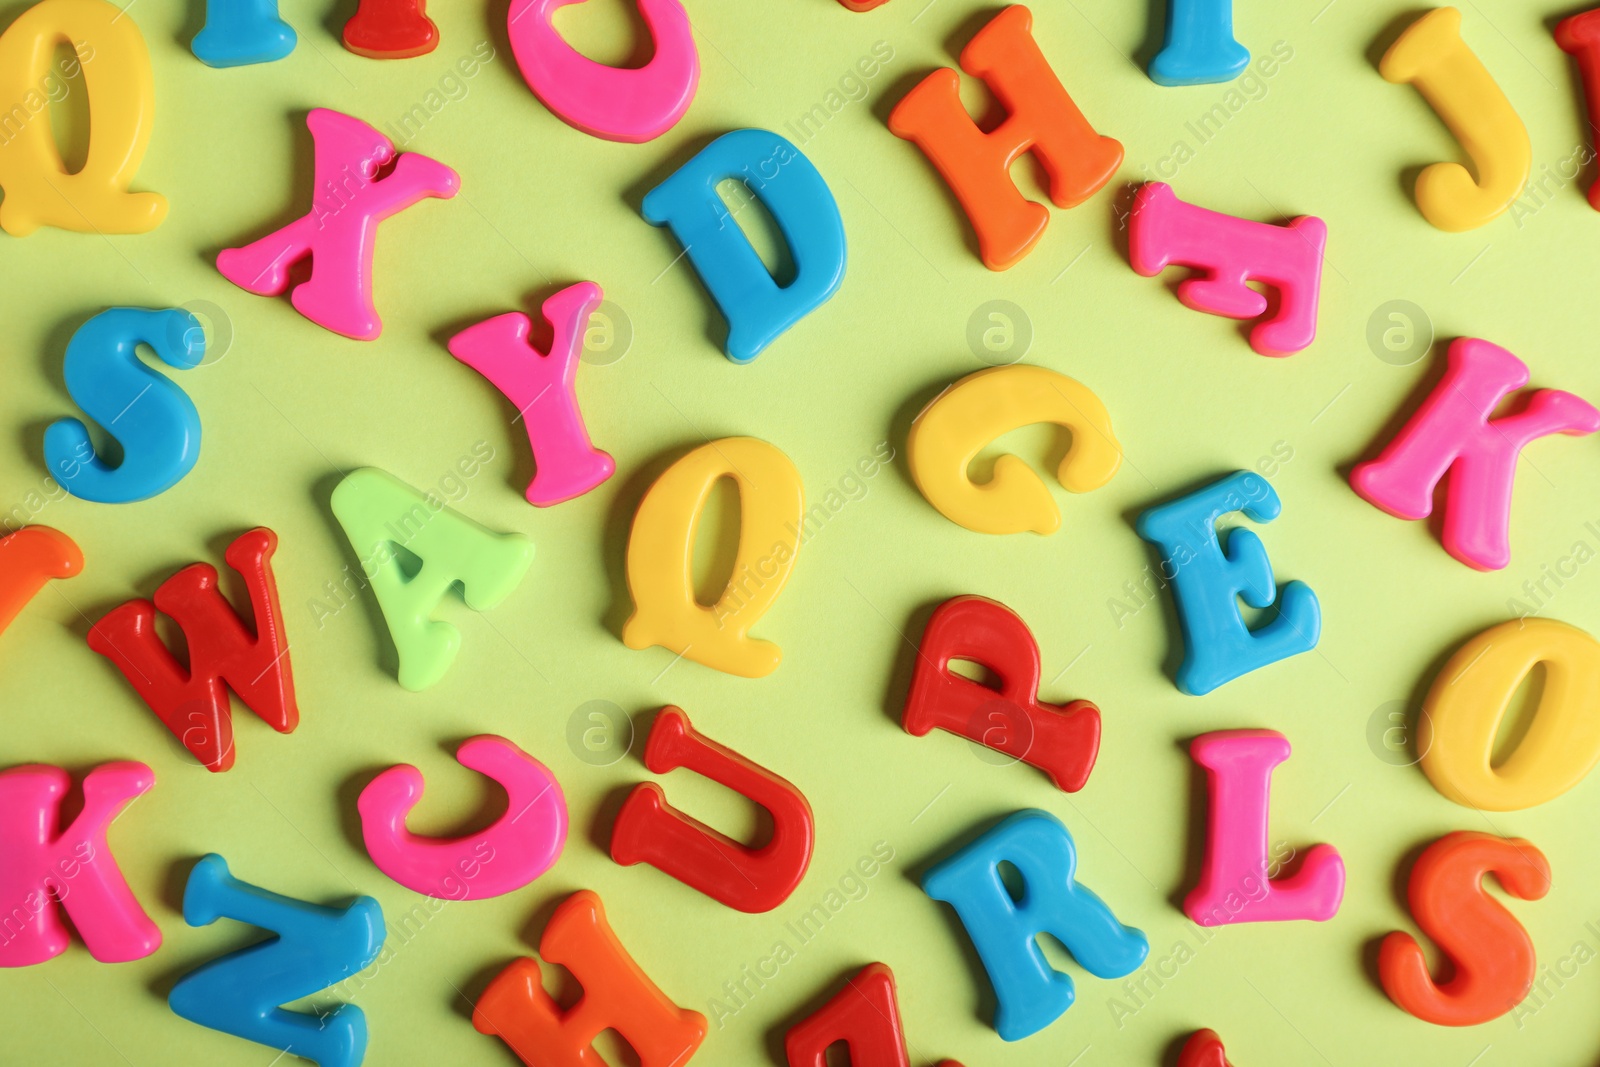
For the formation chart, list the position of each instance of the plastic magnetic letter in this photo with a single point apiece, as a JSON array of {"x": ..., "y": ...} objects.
[
  {"x": 501, "y": 349},
  {"x": 29, "y": 558},
  {"x": 391, "y": 29},
  {"x": 224, "y": 653},
  {"x": 1491, "y": 956},
  {"x": 1465, "y": 708},
  {"x": 1454, "y": 431},
  {"x": 315, "y": 947},
  {"x": 967, "y": 417},
  {"x": 649, "y": 830},
  {"x": 1203, "y": 1049},
  {"x": 153, "y": 420},
  {"x": 1209, "y": 578},
  {"x": 629, "y": 104},
  {"x": 661, "y": 551},
  {"x": 45, "y": 866},
  {"x": 1199, "y": 48},
  {"x": 1060, "y": 739},
  {"x": 1234, "y": 885},
  {"x": 238, "y": 33},
  {"x": 1431, "y": 55},
  {"x": 39, "y": 189},
  {"x": 1579, "y": 37},
  {"x": 865, "y": 1015},
  {"x": 521, "y": 845},
  {"x": 1030, "y": 993},
  {"x": 349, "y": 199},
  {"x": 772, "y": 170},
  {"x": 1229, "y": 253},
  {"x": 617, "y": 995},
  {"x": 1041, "y": 119},
  {"x": 383, "y": 517},
  {"x": 863, "y": 5}
]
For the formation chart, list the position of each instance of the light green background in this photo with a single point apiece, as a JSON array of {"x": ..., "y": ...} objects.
[{"x": 289, "y": 406}]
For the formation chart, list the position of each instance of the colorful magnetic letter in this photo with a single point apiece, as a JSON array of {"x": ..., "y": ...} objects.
[
  {"x": 1060, "y": 739},
  {"x": 1199, "y": 47},
  {"x": 380, "y": 515},
  {"x": 1234, "y": 886},
  {"x": 1453, "y": 432},
  {"x": 521, "y": 845},
  {"x": 862, "y": 5},
  {"x": 240, "y": 32},
  {"x": 500, "y": 349},
  {"x": 649, "y": 830},
  {"x": 865, "y": 1015},
  {"x": 1203, "y": 1049},
  {"x": 390, "y": 29},
  {"x": 966, "y": 418},
  {"x": 39, "y": 190},
  {"x": 45, "y": 866},
  {"x": 223, "y": 652},
  {"x": 315, "y": 947},
  {"x": 1041, "y": 118},
  {"x": 153, "y": 420},
  {"x": 28, "y": 559},
  {"x": 631, "y": 104},
  {"x": 348, "y": 202},
  {"x": 1431, "y": 55},
  {"x": 1464, "y": 710},
  {"x": 1030, "y": 993},
  {"x": 1230, "y": 252},
  {"x": 1579, "y": 36},
  {"x": 617, "y": 995},
  {"x": 1210, "y": 578},
  {"x": 1491, "y": 956},
  {"x": 778, "y": 174},
  {"x": 661, "y": 550}
]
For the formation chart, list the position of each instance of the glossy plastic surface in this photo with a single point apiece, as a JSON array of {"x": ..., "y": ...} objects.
[
  {"x": 238, "y": 33},
  {"x": 522, "y": 844},
  {"x": 756, "y": 307},
  {"x": 1454, "y": 432},
  {"x": 159, "y": 435},
  {"x": 1203, "y": 1049},
  {"x": 649, "y": 830},
  {"x": 391, "y": 29},
  {"x": 1431, "y": 55},
  {"x": 338, "y": 233},
  {"x": 1491, "y": 957},
  {"x": 1031, "y": 994},
  {"x": 47, "y": 868},
  {"x": 379, "y": 514},
  {"x": 29, "y": 558},
  {"x": 39, "y": 189},
  {"x": 224, "y": 652},
  {"x": 542, "y": 386},
  {"x": 865, "y": 1015},
  {"x": 1060, "y": 739},
  {"x": 1199, "y": 48},
  {"x": 661, "y": 554},
  {"x": 1229, "y": 253},
  {"x": 628, "y": 104},
  {"x": 315, "y": 947},
  {"x": 617, "y": 995},
  {"x": 1465, "y": 711},
  {"x": 1234, "y": 884},
  {"x": 966, "y": 418},
  {"x": 1040, "y": 118},
  {"x": 1209, "y": 577},
  {"x": 1579, "y": 36}
]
